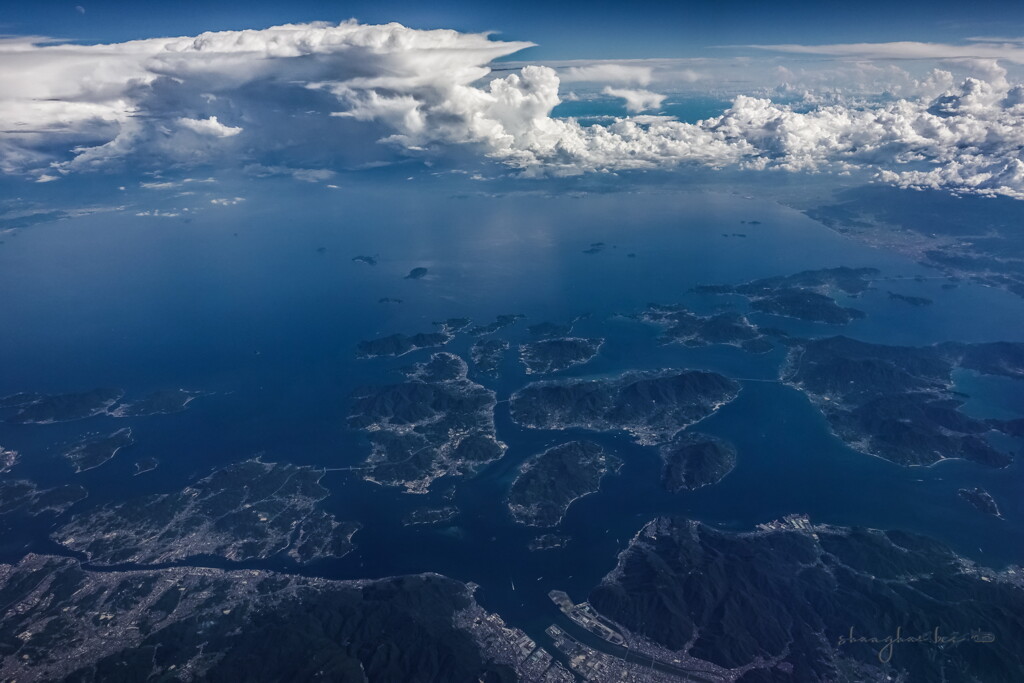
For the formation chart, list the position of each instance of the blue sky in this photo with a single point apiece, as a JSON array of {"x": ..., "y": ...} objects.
[{"x": 563, "y": 30}]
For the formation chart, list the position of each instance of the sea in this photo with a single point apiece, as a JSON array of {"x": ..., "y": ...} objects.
[{"x": 259, "y": 305}]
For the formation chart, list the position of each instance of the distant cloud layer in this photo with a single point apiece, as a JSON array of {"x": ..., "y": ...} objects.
[
  {"x": 1006, "y": 49},
  {"x": 235, "y": 97}
]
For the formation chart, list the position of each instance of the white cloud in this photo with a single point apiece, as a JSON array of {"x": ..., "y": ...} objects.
[
  {"x": 227, "y": 201},
  {"x": 607, "y": 72},
  {"x": 104, "y": 101},
  {"x": 636, "y": 100},
  {"x": 308, "y": 175},
  {"x": 157, "y": 213},
  {"x": 423, "y": 92},
  {"x": 990, "y": 49},
  {"x": 210, "y": 126}
]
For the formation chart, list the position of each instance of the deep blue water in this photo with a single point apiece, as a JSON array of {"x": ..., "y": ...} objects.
[{"x": 238, "y": 302}]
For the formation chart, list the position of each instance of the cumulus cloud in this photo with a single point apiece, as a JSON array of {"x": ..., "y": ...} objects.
[
  {"x": 210, "y": 126},
  {"x": 636, "y": 100},
  {"x": 425, "y": 92},
  {"x": 104, "y": 101}
]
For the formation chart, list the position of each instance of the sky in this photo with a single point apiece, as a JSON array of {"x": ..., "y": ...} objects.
[
  {"x": 568, "y": 29},
  {"x": 923, "y": 95}
]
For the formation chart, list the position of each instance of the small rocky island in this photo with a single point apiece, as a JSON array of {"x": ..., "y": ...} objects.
[
  {"x": 436, "y": 423},
  {"x": 982, "y": 500},
  {"x": 691, "y": 461},
  {"x": 652, "y": 406},
  {"x": 548, "y": 483},
  {"x": 249, "y": 510},
  {"x": 431, "y": 515},
  {"x": 8, "y": 459},
  {"x": 912, "y": 300},
  {"x": 551, "y": 355},
  {"x": 548, "y": 542}
]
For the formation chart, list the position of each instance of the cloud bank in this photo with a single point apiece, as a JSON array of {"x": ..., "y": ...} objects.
[
  {"x": 253, "y": 96},
  {"x": 1005, "y": 49}
]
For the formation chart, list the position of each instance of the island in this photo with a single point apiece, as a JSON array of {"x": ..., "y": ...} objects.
[
  {"x": 8, "y": 459},
  {"x": 805, "y": 305},
  {"x": 683, "y": 326},
  {"x": 825, "y": 597},
  {"x": 453, "y": 325},
  {"x": 50, "y": 408},
  {"x": 500, "y": 323},
  {"x": 852, "y": 281},
  {"x": 692, "y": 461},
  {"x": 805, "y": 295},
  {"x": 157, "y": 403},
  {"x": 46, "y": 409},
  {"x": 487, "y": 355},
  {"x": 435, "y": 424},
  {"x": 92, "y": 451},
  {"x": 249, "y": 510},
  {"x": 982, "y": 500},
  {"x": 399, "y": 344},
  {"x": 548, "y": 483},
  {"x": 898, "y": 402},
  {"x": 20, "y": 497},
  {"x": 417, "y": 274},
  {"x": 147, "y": 464},
  {"x": 546, "y": 330},
  {"x": 651, "y": 406},
  {"x": 368, "y": 260},
  {"x": 548, "y": 542},
  {"x": 431, "y": 515},
  {"x": 552, "y": 355},
  {"x": 20, "y": 399},
  {"x": 912, "y": 300},
  {"x": 63, "y": 621}
]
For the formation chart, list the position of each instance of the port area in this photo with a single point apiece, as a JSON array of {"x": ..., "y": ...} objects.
[{"x": 587, "y": 617}]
